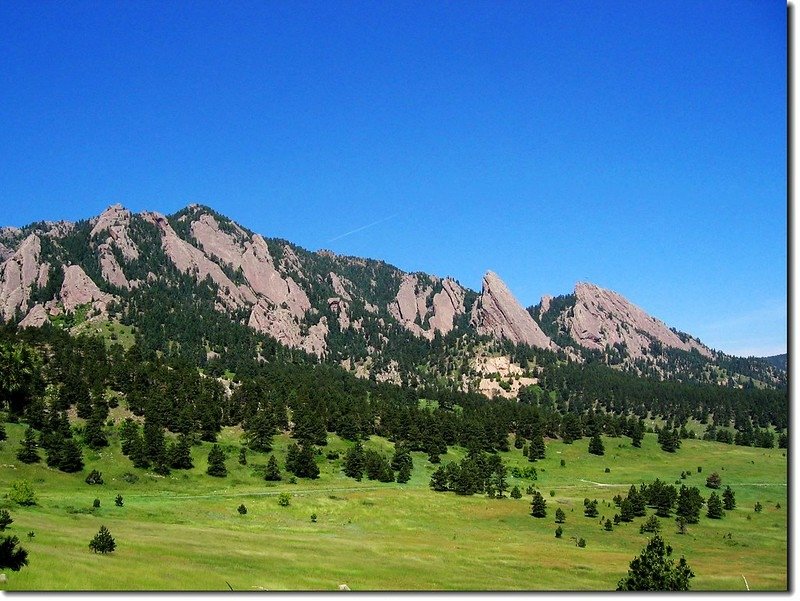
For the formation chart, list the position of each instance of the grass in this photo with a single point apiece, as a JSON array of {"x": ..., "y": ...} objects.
[{"x": 183, "y": 532}]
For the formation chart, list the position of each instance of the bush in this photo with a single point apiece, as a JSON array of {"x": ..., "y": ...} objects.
[
  {"x": 242, "y": 509},
  {"x": 11, "y": 556},
  {"x": 314, "y": 518},
  {"x": 581, "y": 542},
  {"x": 283, "y": 499},
  {"x": 118, "y": 501},
  {"x": 714, "y": 481},
  {"x": 563, "y": 463},
  {"x": 5, "y": 519},
  {"x": 22, "y": 493},
  {"x": 96, "y": 503},
  {"x": 516, "y": 493},
  {"x": 103, "y": 542},
  {"x": 758, "y": 507},
  {"x": 130, "y": 478},
  {"x": 94, "y": 477},
  {"x": 552, "y": 493},
  {"x": 559, "y": 532}
]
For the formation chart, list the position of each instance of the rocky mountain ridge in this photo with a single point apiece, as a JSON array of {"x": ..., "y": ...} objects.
[{"x": 377, "y": 319}]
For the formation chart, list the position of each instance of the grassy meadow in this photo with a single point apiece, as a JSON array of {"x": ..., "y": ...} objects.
[{"x": 183, "y": 531}]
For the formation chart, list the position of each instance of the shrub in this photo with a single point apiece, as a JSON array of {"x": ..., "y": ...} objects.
[
  {"x": 559, "y": 531},
  {"x": 103, "y": 542},
  {"x": 94, "y": 477},
  {"x": 516, "y": 493},
  {"x": 552, "y": 493},
  {"x": 581, "y": 542},
  {"x": 118, "y": 501},
  {"x": 758, "y": 507},
  {"x": 608, "y": 470},
  {"x": 96, "y": 503},
  {"x": 283, "y": 499},
  {"x": 22, "y": 493},
  {"x": 314, "y": 518},
  {"x": 563, "y": 463},
  {"x": 714, "y": 481},
  {"x": 5, "y": 519},
  {"x": 242, "y": 509},
  {"x": 11, "y": 556},
  {"x": 130, "y": 477}
]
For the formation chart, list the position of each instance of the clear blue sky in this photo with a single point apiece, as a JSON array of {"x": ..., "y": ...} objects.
[{"x": 637, "y": 145}]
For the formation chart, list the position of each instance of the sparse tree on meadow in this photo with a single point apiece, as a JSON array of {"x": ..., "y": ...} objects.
[
  {"x": 103, "y": 542},
  {"x": 273, "y": 472},
  {"x": 714, "y": 507},
  {"x": 28, "y": 448},
  {"x": 728, "y": 499},
  {"x": 538, "y": 505},
  {"x": 653, "y": 570},
  {"x": 216, "y": 462}
]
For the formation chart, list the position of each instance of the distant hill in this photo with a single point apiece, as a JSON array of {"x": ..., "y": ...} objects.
[
  {"x": 197, "y": 284},
  {"x": 779, "y": 361}
]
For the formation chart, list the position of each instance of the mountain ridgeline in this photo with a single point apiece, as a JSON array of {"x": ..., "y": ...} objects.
[{"x": 199, "y": 286}]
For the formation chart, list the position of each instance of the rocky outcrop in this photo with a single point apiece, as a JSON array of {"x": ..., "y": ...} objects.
[
  {"x": 191, "y": 260},
  {"x": 110, "y": 267},
  {"x": 35, "y": 318},
  {"x": 281, "y": 324},
  {"x": 603, "y": 318},
  {"x": 448, "y": 304},
  {"x": 18, "y": 275},
  {"x": 497, "y": 313},
  {"x": 79, "y": 289},
  {"x": 113, "y": 224}
]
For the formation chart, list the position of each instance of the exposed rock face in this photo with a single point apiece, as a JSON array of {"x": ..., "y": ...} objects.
[
  {"x": 413, "y": 304},
  {"x": 18, "y": 274},
  {"x": 110, "y": 267},
  {"x": 78, "y": 289},
  {"x": 114, "y": 222},
  {"x": 191, "y": 260},
  {"x": 35, "y": 318},
  {"x": 497, "y": 313},
  {"x": 447, "y": 305},
  {"x": 601, "y": 317}
]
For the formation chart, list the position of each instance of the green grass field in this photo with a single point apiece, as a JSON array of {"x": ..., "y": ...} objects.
[{"x": 183, "y": 531}]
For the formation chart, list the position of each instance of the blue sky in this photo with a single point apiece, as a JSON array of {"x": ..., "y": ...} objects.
[{"x": 637, "y": 145}]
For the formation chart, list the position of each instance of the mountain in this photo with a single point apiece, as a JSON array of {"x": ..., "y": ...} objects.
[
  {"x": 200, "y": 285},
  {"x": 779, "y": 361}
]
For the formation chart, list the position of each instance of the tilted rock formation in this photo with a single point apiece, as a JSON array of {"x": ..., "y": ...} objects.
[
  {"x": 79, "y": 289},
  {"x": 110, "y": 267},
  {"x": 18, "y": 275},
  {"x": 114, "y": 222},
  {"x": 497, "y": 313},
  {"x": 35, "y": 318},
  {"x": 191, "y": 260},
  {"x": 448, "y": 304},
  {"x": 602, "y": 317}
]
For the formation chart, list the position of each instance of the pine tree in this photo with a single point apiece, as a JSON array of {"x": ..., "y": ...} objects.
[
  {"x": 12, "y": 556},
  {"x": 590, "y": 508},
  {"x": 714, "y": 507},
  {"x": 729, "y": 499},
  {"x": 561, "y": 517},
  {"x": 596, "y": 445},
  {"x": 5, "y": 519},
  {"x": 404, "y": 475},
  {"x": 537, "y": 449},
  {"x": 626, "y": 513},
  {"x": 292, "y": 452},
  {"x": 273, "y": 472},
  {"x": 516, "y": 493},
  {"x": 439, "y": 481},
  {"x": 137, "y": 452},
  {"x": 354, "y": 461},
  {"x": 27, "y": 452},
  {"x": 689, "y": 504},
  {"x": 242, "y": 456},
  {"x": 305, "y": 466},
  {"x": 654, "y": 571},
  {"x": 637, "y": 434},
  {"x": 608, "y": 525},
  {"x": 103, "y": 542},
  {"x": 93, "y": 434},
  {"x": 3, "y": 435},
  {"x": 118, "y": 501},
  {"x": 714, "y": 480},
  {"x": 71, "y": 457},
  {"x": 179, "y": 455},
  {"x": 538, "y": 505},
  {"x": 559, "y": 531},
  {"x": 216, "y": 462}
]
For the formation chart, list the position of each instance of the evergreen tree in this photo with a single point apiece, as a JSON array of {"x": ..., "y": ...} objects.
[
  {"x": 118, "y": 501},
  {"x": 689, "y": 504},
  {"x": 439, "y": 480},
  {"x": 653, "y": 570},
  {"x": 259, "y": 430},
  {"x": 292, "y": 453},
  {"x": 93, "y": 434},
  {"x": 216, "y": 462},
  {"x": 354, "y": 461},
  {"x": 404, "y": 475},
  {"x": 714, "y": 480},
  {"x": 608, "y": 525},
  {"x": 137, "y": 452},
  {"x": 728, "y": 499},
  {"x": 681, "y": 522},
  {"x": 538, "y": 505},
  {"x": 714, "y": 510},
  {"x": 516, "y": 493},
  {"x": 596, "y": 445},
  {"x": 273, "y": 472},
  {"x": 242, "y": 456},
  {"x": 12, "y": 556},
  {"x": 27, "y": 452},
  {"x": 3, "y": 435},
  {"x": 70, "y": 457},
  {"x": 103, "y": 542},
  {"x": 537, "y": 448},
  {"x": 626, "y": 512},
  {"x": 305, "y": 466},
  {"x": 651, "y": 525},
  {"x": 561, "y": 517},
  {"x": 637, "y": 433},
  {"x": 5, "y": 519},
  {"x": 179, "y": 455},
  {"x": 559, "y": 531},
  {"x": 94, "y": 477}
]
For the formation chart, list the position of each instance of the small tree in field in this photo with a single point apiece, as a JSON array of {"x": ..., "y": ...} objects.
[
  {"x": 729, "y": 499},
  {"x": 714, "y": 481},
  {"x": 608, "y": 526},
  {"x": 22, "y": 493},
  {"x": 653, "y": 570},
  {"x": 516, "y": 493},
  {"x": 273, "y": 472},
  {"x": 103, "y": 542},
  {"x": 561, "y": 517},
  {"x": 118, "y": 501},
  {"x": 27, "y": 452},
  {"x": 714, "y": 507},
  {"x": 242, "y": 509},
  {"x": 5, "y": 519},
  {"x": 216, "y": 462},
  {"x": 559, "y": 531},
  {"x": 596, "y": 445},
  {"x": 538, "y": 505},
  {"x": 12, "y": 556}
]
